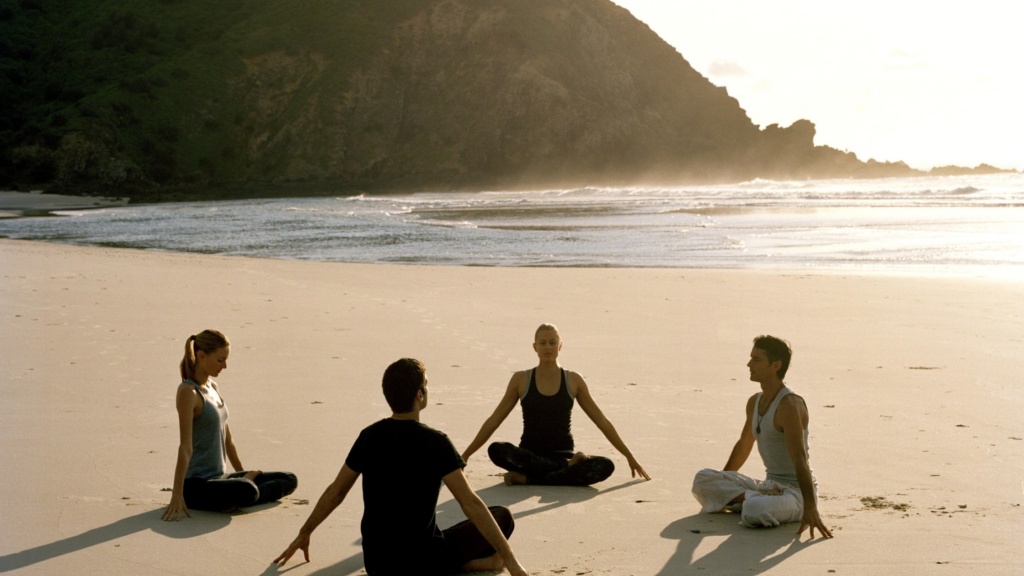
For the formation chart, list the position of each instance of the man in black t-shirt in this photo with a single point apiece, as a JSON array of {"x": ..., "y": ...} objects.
[{"x": 403, "y": 464}]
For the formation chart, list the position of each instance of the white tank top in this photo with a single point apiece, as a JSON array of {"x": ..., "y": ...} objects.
[{"x": 771, "y": 443}]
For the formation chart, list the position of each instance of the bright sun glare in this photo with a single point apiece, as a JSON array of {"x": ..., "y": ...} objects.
[{"x": 927, "y": 83}]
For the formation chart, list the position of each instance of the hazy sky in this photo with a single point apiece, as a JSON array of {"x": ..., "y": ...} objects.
[{"x": 927, "y": 82}]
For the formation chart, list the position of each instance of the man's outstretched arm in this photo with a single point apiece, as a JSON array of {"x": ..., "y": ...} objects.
[
  {"x": 793, "y": 417},
  {"x": 332, "y": 497},
  {"x": 480, "y": 516}
]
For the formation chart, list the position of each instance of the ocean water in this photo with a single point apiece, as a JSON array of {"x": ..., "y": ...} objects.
[{"x": 971, "y": 225}]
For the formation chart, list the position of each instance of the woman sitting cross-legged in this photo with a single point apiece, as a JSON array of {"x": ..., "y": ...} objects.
[
  {"x": 546, "y": 453},
  {"x": 206, "y": 445}
]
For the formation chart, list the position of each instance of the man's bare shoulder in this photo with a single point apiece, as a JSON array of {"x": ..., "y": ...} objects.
[
  {"x": 793, "y": 406},
  {"x": 793, "y": 400},
  {"x": 751, "y": 402}
]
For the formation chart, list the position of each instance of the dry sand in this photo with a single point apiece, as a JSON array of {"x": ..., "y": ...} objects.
[{"x": 913, "y": 384}]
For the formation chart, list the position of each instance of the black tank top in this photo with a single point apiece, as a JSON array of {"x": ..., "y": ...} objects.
[{"x": 547, "y": 420}]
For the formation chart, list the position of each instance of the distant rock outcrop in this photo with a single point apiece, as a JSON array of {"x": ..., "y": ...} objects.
[{"x": 157, "y": 99}]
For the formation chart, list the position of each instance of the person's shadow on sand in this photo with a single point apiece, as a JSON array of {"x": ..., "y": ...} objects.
[
  {"x": 551, "y": 497},
  {"x": 199, "y": 524},
  {"x": 744, "y": 550}
]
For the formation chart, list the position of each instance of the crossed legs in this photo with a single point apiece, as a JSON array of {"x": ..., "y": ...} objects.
[
  {"x": 467, "y": 550},
  {"x": 526, "y": 467},
  {"x": 760, "y": 503},
  {"x": 234, "y": 491}
]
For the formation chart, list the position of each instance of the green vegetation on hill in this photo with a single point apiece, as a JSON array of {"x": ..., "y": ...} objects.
[
  {"x": 160, "y": 98},
  {"x": 126, "y": 94}
]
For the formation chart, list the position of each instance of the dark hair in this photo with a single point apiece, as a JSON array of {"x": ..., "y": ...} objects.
[
  {"x": 207, "y": 341},
  {"x": 775, "y": 349},
  {"x": 402, "y": 380}
]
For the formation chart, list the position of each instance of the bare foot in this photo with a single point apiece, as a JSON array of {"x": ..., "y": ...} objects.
[
  {"x": 513, "y": 478},
  {"x": 489, "y": 564},
  {"x": 577, "y": 458}
]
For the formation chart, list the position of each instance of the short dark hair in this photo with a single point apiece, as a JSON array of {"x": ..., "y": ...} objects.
[
  {"x": 775, "y": 349},
  {"x": 402, "y": 380}
]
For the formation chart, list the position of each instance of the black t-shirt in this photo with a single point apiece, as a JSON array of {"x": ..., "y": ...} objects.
[{"x": 402, "y": 463}]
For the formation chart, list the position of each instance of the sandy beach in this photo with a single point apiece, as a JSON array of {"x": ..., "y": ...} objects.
[{"x": 913, "y": 386}]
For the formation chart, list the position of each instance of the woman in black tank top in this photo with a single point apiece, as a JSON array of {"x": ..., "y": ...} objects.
[{"x": 546, "y": 453}]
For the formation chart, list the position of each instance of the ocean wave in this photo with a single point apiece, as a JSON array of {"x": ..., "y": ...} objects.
[{"x": 955, "y": 221}]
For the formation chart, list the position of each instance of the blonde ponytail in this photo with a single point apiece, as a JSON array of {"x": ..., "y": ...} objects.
[{"x": 207, "y": 341}]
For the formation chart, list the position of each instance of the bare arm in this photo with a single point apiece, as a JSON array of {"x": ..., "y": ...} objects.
[
  {"x": 591, "y": 409},
  {"x": 741, "y": 451},
  {"x": 480, "y": 516},
  {"x": 505, "y": 406},
  {"x": 185, "y": 402},
  {"x": 332, "y": 497},
  {"x": 232, "y": 452},
  {"x": 792, "y": 417}
]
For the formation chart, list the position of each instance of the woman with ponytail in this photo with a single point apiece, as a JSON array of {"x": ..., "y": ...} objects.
[{"x": 201, "y": 480}]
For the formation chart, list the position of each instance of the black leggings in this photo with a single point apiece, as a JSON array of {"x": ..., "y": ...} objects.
[
  {"x": 550, "y": 470},
  {"x": 463, "y": 542},
  {"x": 234, "y": 491}
]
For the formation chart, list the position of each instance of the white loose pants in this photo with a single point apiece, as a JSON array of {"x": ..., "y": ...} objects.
[{"x": 766, "y": 503}]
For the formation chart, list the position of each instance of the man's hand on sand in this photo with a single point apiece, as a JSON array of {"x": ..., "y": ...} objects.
[
  {"x": 301, "y": 542},
  {"x": 812, "y": 520}
]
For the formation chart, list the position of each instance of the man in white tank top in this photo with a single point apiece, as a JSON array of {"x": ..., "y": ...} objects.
[{"x": 777, "y": 422}]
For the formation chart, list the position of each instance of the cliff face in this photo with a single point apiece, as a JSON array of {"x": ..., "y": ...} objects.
[
  {"x": 486, "y": 92},
  {"x": 142, "y": 96}
]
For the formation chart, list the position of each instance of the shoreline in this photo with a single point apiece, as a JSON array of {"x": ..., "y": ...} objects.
[
  {"x": 912, "y": 386},
  {"x": 980, "y": 272},
  {"x": 317, "y": 189},
  {"x": 37, "y": 203}
]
